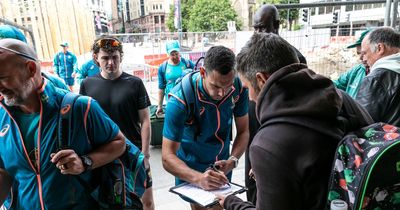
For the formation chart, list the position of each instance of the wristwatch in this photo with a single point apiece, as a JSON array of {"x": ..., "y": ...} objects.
[
  {"x": 235, "y": 160},
  {"x": 87, "y": 162}
]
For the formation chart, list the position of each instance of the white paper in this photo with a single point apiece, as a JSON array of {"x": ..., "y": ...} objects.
[{"x": 204, "y": 197}]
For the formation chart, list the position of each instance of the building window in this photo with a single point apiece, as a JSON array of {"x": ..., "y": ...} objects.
[
  {"x": 156, "y": 20},
  {"x": 321, "y": 10},
  {"x": 378, "y": 5},
  {"x": 160, "y": 6},
  {"x": 162, "y": 19},
  {"x": 367, "y": 6},
  {"x": 349, "y": 7},
  {"x": 329, "y": 9},
  {"x": 156, "y": 6},
  {"x": 313, "y": 11},
  {"x": 336, "y": 7}
]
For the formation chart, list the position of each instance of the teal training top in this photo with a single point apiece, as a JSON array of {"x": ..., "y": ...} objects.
[
  {"x": 28, "y": 124},
  {"x": 42, "y": 186},
  {"x": 216, "y": 124},
  {"x": 169, "y": 74}
]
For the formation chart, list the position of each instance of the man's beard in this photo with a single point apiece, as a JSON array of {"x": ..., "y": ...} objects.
[{"x": 16, "y": 100}]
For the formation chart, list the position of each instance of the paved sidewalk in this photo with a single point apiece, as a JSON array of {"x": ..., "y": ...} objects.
[{"x": 162, "y": 181}]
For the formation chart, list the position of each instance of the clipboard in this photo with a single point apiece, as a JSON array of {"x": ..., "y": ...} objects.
[{"x": 203, "y": 197}]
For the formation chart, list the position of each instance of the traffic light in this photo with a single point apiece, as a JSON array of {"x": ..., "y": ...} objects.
[
  {"x": 335, "y": 17},
  {"x": 305, "y": 15}
]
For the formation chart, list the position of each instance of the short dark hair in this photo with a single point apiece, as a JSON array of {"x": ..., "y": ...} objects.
[
  {"x": 386, "y": 35},
  {"x": 266, "y": 53},
  {"x": 220, "y": 59},
  {"x": 110, "y": 44}
]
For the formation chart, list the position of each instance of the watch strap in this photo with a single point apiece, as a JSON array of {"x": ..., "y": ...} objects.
[{"x": 235, "y": 160}]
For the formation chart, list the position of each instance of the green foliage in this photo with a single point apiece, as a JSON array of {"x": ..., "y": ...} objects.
[
  {"x": 297, "y": 27},
  {"x": 186, "y": 6},
  {"x": 212, "y": 16},
  {"x": 204, "y": 15}
]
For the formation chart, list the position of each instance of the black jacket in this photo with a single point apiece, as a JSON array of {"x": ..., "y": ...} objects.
[
  {"x": 380, "y": 91},
  {"x": 293, "y": 151}
]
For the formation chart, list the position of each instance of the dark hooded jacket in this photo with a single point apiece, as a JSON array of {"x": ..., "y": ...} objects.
[{"x": 293, "y": 152}]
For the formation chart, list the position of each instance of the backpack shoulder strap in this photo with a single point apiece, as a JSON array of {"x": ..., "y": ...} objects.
[
  {"x": 164, "y": 66},
  {"x": 187, "y": 64},
  {"x": 65, "y": 123},
  {"x": 189, "y": 95}
]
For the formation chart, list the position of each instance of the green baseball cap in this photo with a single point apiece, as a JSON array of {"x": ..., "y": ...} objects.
[
  {"x": 64, "y": 44},
  {"x": 359, "y": 40}
]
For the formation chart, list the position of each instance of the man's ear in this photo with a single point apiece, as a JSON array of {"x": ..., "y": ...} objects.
[
  {"x": 95, "y": 57},
  {"x": 32, "y": 68},
  {"x": 381, "y": 49},
  {"x": 261, "y": 79},
  {"x": 202, "y": 72}
]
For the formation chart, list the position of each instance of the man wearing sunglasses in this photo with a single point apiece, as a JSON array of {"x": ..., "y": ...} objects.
[
  {"x": 124, "y": 98},
  {"x": 220, "y": 98},
  {"x": 43, "y": 173}
]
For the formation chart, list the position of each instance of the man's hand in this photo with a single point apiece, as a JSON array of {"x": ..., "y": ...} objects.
[
  {"x": 221, "y": 199},
  {"x": 146, "y": 161},
  {"x": 211, "y": 180},
  {"x": 225, "y": 166},
  {"x": 68, "y": 162},
  {"x": 159, "y": 111}
]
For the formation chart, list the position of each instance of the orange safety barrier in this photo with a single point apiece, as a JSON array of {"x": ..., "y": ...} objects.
[
  {"x": 158, "y": 59},
  {"x": 343, "y": 39},
  {"x": 47, "y": 66}
]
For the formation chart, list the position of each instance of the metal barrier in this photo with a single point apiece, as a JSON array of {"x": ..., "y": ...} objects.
[{"x": 326, "y": 53}]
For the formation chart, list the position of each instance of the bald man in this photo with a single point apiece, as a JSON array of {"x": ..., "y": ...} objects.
[
  {"x": 44, "y": 175},
  {"x": 266, "y": 19}
]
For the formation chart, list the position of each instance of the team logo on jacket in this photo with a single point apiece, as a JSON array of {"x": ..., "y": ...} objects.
[
  {"x": 201, "y": 110},
  {"x": 4, "y": 130},
  {"x": 65, "y": 109}
]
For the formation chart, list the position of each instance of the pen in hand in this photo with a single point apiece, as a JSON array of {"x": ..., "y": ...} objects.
[{"x": 215, "y": 168}]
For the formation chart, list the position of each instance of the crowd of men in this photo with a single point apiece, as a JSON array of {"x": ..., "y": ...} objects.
[{"x": 285, "y": 115}]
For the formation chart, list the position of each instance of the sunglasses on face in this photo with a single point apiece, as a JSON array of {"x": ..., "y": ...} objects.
[
  {"x": 110, "y": 42},
  {"x": 19, "y": 53}
]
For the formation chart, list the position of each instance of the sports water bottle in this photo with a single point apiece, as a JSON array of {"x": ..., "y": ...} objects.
[{"x": 338, "y": 205}]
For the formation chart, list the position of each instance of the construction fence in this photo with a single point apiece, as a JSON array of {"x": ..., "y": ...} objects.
[{"x": 325, "y": 52}]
